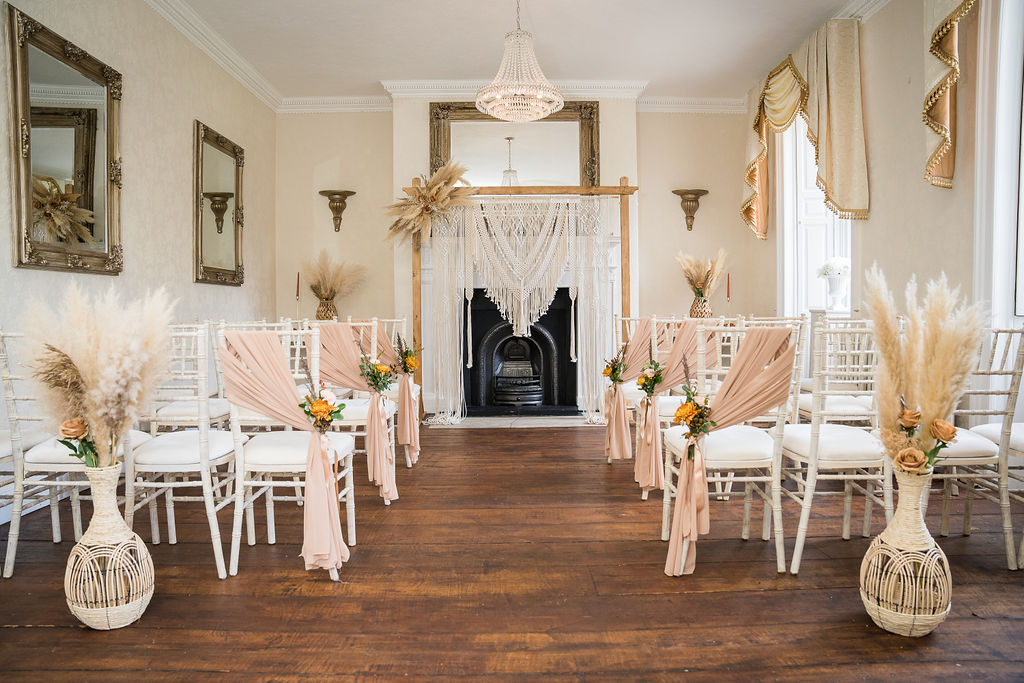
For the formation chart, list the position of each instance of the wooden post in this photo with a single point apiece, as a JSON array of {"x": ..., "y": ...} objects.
[
  {"x": 417, "y": 307},
  {"x": 624, "y": 250}
]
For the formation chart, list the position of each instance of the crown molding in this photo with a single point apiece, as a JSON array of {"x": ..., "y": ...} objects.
[
  {"x": 860, "y": 9},
  {"x": 72, "y": 95},
  {"x": 691, "y": 105},
  {"x": 466, "y": 89},
  {"x": 193, "y": 27},
  {"x": 314, "y": 105}
]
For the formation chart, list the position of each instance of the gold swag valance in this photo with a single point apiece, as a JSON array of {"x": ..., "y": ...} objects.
[{"x": 821, "y": 82}]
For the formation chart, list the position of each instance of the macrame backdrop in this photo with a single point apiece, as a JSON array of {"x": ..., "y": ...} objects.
[{"x": 520, "y": 248}]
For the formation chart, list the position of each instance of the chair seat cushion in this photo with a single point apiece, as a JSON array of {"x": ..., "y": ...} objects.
[
  {"x": 29, "y": 438},
  {"x": 668, "y": 405},
  {"x": 968, "y": 444},
  {"x": 994, "y": 432},
  {"x": 392, "y": 393},
  {"x": 177, "y": 411},
  {"x": 675, "y": 437},
  {"x": 50, "y": 452},
  {"x": 841, "y": 443},
  {"x": 631, "y": 392},
  {"x": 356, "y": 409},
  {"x": 854, "y": 406},
  {"x": 289, "y": 448},
  {"x": 182, "y": 448},
  {"x": 738, "y": 442}
]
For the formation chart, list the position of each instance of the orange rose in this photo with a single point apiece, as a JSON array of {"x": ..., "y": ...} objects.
[
  {"x": 909, "y": 419},
  {"x": 412, "y": 363},
  {"x": 383, "y": 369},
  {"x": 321, "y": 409},
  {"x": 942, "y": 431},
  {"x": 75, "y": 428},
  {"x": 685, "y": 413},
  {"x": 607, "y": 371},
  {"x": 911, "y": 460}
]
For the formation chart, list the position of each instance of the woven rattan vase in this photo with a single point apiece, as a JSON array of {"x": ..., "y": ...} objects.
[
  {"x": 905, "y": 582},
  {"x": 700, "y": 308},
  {"x": 109, "y": 579},
  {"x": 326, "y": 310}
]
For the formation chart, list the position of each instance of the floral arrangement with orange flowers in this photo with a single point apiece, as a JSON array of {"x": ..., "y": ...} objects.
[
  {"x": 322, "y": 409},
  {"x": 408, "y": 362},
  {"x": 614, "y": 368},
  {"x": 695, "y": 415},
  {"x": 377, "y": 375},
  {"x": 925, "y": 364},
  {"x": 650, "y": 378}
]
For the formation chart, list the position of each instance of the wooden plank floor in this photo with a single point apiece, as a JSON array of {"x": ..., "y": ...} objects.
[{"x": 512, "y": 553}]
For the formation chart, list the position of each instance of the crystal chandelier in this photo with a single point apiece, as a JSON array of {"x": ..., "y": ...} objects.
[{"x": 519, "y": 92}]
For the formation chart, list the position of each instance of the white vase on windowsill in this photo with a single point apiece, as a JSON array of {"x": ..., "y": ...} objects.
[{"x": 836, "y": 290}]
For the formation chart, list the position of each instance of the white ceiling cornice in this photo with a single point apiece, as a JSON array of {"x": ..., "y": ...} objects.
[
  {"x": 692, "y": 105},
  {"x": 323, "y": 105},
  {"x": 860, "y": 9},
  {"x": 71, "y": 95},
  {"x": 466, "y": 89},
  {"x": 193, "y": 27}
]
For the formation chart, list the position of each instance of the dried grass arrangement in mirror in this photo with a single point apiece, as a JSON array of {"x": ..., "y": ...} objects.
[
  {"x": 329, "y": 279},
  {"x": 437, "y": 196},
  {"x": 56, "y": 214}
]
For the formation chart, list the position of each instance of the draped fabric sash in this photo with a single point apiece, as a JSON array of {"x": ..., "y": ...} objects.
[
  {"x": 648, "y": 470},
  {"x": 408, "y": 427},
  {"x": 616, "y": 434},
  {"x": 408, "y": 417},
  {"x": 339, "y": 364},
  {"x": 758, "y": 381},
  {"x": 256, "y": 376}
]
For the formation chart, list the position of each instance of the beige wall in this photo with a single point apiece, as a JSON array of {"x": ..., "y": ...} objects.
[
  {"x": 168, "y": 82},
  {"x": 914, "y": 227},
  {"x": 341, "y": 151},
  {"x": 697, "y": 151}
]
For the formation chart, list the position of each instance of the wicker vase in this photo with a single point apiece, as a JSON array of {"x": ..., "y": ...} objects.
[
  {"x": 700, "y": 308},
  {"x": 109, "y": 578},
  {"x": 326, "y": 310},
  {"x": 905, "y": 582}
]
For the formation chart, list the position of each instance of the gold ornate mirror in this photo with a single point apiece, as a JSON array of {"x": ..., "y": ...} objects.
[
  {"x": 218, "y": 208},
  {"x": 67, "y": 169}
]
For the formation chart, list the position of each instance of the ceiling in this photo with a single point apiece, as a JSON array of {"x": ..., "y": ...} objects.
[{"x": 345, "y": 48}]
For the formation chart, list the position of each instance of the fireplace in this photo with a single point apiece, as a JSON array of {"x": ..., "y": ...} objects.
[{"x": 513, "y": 375}]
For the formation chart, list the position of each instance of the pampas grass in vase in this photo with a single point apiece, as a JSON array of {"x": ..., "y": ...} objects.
[
  {"x": 703, "y": 276},
  {"x": 97, "y": 364},
  {"x": 925, "y": 364},
  {"x": 329, "y": 279}
]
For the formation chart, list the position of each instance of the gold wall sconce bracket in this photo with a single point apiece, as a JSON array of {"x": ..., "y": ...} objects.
[
  {"x": 690, "y": 201},
  {"x": 337, "y": 201}
]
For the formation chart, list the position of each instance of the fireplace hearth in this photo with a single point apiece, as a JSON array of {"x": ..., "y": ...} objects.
[{"x": 521, "y": 375}]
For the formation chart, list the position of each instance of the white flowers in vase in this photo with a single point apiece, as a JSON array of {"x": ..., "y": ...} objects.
[{"x": 835, "y": 266}]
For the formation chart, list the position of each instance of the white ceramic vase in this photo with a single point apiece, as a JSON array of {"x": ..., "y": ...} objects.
[
  {"x": 109, "y": 577},
  {"x": 905, "y": 582},
  {"x": 836, "y": 290}
]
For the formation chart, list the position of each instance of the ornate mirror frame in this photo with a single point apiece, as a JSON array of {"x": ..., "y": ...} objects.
[
  {"x": 443, "y": 113},
  {"x": 23, "y": 31},
  {"x": 204, "y": 273}
]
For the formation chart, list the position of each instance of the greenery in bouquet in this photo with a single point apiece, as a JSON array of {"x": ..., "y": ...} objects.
[
  {"x": 322, "y": 409},
  {"x": 614, "y": 368},
  {"x": 650, "y": 378},
  {"x": 408, "y": 361},
  {"x": 377, "y": 375}
]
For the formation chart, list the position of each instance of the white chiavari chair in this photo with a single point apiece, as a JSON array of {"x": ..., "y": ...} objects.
[
  {"x": 977, "y": 462},
  {"x": 802, "y": 321},
  {"x": 831, "y": 447},
  {"x": 749, "y": 454},
  {"x": 185, "y": 458},
  {"x": 185, "y": 412},
  {"x": 277, "y": 459}
]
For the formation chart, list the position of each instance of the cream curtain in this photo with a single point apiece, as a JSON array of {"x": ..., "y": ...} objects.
[
  {"x": 821, "y": 82},
  {"x": 942, "y": 71}
]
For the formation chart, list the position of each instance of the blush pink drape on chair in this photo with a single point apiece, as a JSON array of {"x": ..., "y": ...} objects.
[
  {"x": 616, "y": 437},
  {"x": 758, "y": 381},
  {"x": 256, "y": 376},
  {"x": 649, "y": 470},
  {"x": 339, "y": 364},
  {"x": 408, "y": 428}
]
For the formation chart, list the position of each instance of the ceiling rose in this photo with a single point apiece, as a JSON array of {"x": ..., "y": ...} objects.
[{"x": 520, "y": 92}]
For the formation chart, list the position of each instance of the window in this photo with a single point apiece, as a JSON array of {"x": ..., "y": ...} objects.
[{"x": 811, "y": 234}]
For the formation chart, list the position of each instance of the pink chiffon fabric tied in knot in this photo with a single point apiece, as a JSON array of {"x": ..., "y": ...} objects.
[
  {"x": 408, "y": 417},
  {"x": 758, "y": 381},
  {"x": 648, "y": 470},
  {"x": 339, "y": 364},
  {"x": 257, "y": 377},
  {"x": 616, "y": 436}
]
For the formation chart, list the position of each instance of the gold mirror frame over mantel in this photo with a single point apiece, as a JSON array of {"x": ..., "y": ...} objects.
[
  {"x": 586, "y": 113},
  {"x": 23, "y": 31},
  {"x": 204, "y": 273}
]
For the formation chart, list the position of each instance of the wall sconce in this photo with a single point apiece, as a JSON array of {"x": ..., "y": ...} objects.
[
  {"x": 218, "y": 205},
  {"x": 336, "y": 199},
  {"x": 689, "y": 200}
]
